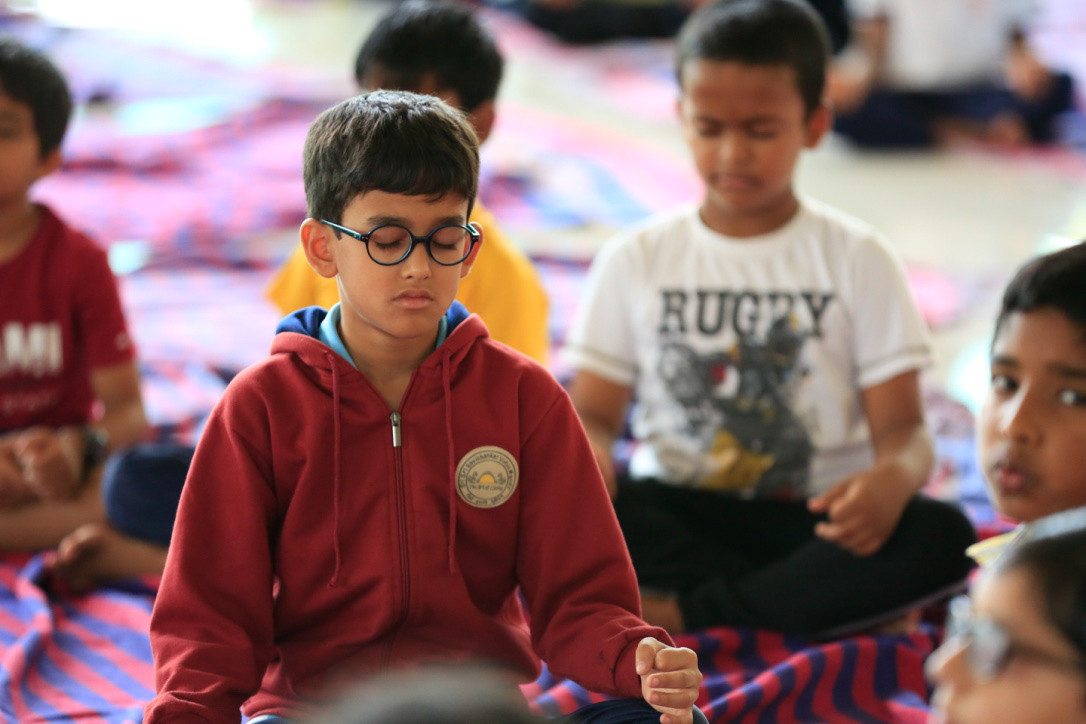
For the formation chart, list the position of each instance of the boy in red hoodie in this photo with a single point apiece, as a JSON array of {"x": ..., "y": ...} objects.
[{"x": 377, "y": 492}]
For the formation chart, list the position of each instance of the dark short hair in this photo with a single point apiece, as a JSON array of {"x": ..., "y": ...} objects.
[
  {"x": 1056, "y": 281},
  {"x": 1057, "y": 564},
  {"x": 441, "y": 38},
  {"x": 29, "y": 77},
  {"x": 761, "y": 33},
  {"x": 393, "y": 141}
]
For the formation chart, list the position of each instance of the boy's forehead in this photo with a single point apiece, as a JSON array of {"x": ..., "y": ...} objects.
[
  {"x": 378, "y": 204},
  {"x": 709, "y": 70},
  {"x": 1021, "y": 330},
  {"x": 727, "y": 86}
]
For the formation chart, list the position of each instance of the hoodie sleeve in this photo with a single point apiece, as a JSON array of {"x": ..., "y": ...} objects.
[
  {"x": 576, "y": 575},
  {"x": 211, "y": 627}
]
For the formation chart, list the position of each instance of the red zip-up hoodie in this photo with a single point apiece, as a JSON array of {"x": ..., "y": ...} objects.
[{"x": 321, "y": 536}]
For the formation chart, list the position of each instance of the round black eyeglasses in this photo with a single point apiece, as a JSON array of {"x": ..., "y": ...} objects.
[
  {"x": 988, "y": 646},
  {"x": 390, "y": 244}
]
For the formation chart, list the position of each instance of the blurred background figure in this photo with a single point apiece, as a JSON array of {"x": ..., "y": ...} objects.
[
  {"x": 594, "y": 21},
  {"x": 921, "y": 73},
  {"x": 465, "y": 694}
]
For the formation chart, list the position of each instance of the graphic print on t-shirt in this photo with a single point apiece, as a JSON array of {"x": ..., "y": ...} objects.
[{"x": 738, "y": 399}]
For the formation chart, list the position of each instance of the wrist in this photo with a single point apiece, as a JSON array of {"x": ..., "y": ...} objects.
[{"x": 95, "y": 445}]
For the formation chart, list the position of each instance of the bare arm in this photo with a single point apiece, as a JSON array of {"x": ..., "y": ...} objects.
[
  {"x": 895, "y": 417},
  {"x": 601, "y": 405},
  {"x": 123, "y": 419},
  {"x": 852, "y": 76},
  {"x": 863, "y": 509}
]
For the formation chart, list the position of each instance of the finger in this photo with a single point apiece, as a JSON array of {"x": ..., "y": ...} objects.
[
  {"x": 676, "y": 658},
  {"x": 645, "y": 655},
  {"x": 11, "y": 473},
  {"x": 677, "y": 713},
  {"x": 685, "y": 678},
  {"x": 685, "y": 718},
  {"x": 33, "y": 438},
  {"x": 843, "y": 534},
  {"x": 676, "y": 701},
  {"x": 822, "y": 503}
]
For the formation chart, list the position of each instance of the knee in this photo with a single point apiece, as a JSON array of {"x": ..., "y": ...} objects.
[
  {"x": 141, "y": 487},
  {"x": 940, "y": 528}
]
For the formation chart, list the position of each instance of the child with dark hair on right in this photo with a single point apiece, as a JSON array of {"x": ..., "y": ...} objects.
[
  {"x": 1015, "y": 652},
  {"x": 1031, "y": 431}
]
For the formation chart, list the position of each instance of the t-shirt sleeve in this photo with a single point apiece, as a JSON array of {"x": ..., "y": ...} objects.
[
  {"x": 101, "y": 327},
  {"x": 891, "y": 336},
  {"x": 601, "y": 338}
]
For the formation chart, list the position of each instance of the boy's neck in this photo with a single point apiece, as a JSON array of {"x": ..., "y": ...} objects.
[
  {"x": 389, "y": 366},
  {"x": 18, "y": 222},
  {"x": 742, "y": 226}
]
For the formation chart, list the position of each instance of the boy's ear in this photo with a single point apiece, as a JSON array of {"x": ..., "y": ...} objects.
[
  {"x": 482, "y": 119},
  {"x": 465, "y": 266},
  {"x": 819, "y": 124},
  {"x": 316, "y": 239}
]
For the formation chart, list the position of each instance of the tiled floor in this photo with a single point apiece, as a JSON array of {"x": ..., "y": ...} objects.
[{"x": 971, "y": 215}]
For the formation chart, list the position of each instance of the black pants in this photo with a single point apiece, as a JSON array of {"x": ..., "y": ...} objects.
[
  {"x": 898, "y": 119},
  {"x": 758, "y": 563},
  {"x": 141, "y": 487}
]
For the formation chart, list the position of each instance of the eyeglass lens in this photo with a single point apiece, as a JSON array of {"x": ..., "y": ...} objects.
[
  {"x": 392, "y": 243},
  {"x": 988, "y": 646}
]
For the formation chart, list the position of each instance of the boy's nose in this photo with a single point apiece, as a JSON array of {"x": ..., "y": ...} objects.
[
  {"x": 417, "y": 262},
  {"x": 732, "y": 148},
  {"x": 947, "y": 667},
  {"x": 1018, "y": 416}
]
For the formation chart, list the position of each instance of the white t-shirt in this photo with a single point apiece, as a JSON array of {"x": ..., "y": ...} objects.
[
  {"x": 747, "y": 357},
  {"x": 945, "y": 44}
]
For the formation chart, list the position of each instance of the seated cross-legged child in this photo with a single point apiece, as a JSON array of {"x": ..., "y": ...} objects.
[
  {"x": 69, "y": 384},
  {"x": 74, "y": 472},
  {"x": 1016, "y": 653},
  {"x": 440, "y": 47},
  {"x": 383, "y": 488},
  {"x": 773, "y": 350},
  {"x": 1031, "y": 430}
]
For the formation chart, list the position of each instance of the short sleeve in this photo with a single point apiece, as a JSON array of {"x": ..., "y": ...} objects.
[
  {"x": 601, "y": 339},
  {"x": 101, "y": 329},
  {"x": 891, "y": 336}
]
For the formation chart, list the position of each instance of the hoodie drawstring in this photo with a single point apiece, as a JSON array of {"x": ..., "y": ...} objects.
[
  {"x": 337, "y": 467},
  {"x": 452, "y": 461}
]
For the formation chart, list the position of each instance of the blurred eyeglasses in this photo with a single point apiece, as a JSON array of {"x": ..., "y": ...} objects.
[
  {"x": 988, "y": 646},
  {"x": 390, "y": 244}
]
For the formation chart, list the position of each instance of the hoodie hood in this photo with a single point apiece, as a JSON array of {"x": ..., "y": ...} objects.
[{"x": 308, "y": 320}]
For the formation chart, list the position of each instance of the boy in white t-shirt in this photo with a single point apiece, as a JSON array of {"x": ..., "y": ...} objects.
[{"x": 772, "y": 351}]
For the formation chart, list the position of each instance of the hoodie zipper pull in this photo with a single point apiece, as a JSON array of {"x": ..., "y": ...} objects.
[{"x": 395, "y": 419}]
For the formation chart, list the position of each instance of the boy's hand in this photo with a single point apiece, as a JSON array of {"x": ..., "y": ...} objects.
[
  {"x": 13, "y": 486},
  {"x": 863, "y": 509},
  {"x": 670, "y": 679},
  {"x": 53, "y": 461}
]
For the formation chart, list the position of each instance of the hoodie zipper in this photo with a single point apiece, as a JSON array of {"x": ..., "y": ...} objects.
[{"x": 401, "y": 511}]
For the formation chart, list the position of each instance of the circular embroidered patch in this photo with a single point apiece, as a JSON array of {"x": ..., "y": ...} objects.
[{"x": 486, "y": 477}]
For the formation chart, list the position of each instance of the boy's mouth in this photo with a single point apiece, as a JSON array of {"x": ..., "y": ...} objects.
[
  {"x": 1010, "y": 477},
  {"x": 734, "y": 182},
  {"x": 414, "y": 298}
]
